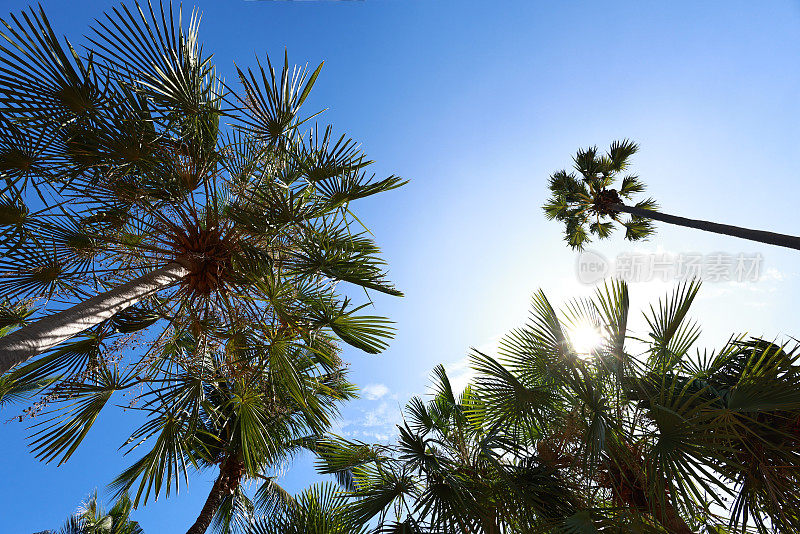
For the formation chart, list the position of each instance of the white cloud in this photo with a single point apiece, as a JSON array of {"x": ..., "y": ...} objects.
[
  {"x": 375, "y": 391},
  {"x": 377, "y": 417},
  {"x": 773, "y": 274}
]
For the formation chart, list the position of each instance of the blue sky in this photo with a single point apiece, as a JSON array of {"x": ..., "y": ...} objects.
[{"x": 476, "y": 102}]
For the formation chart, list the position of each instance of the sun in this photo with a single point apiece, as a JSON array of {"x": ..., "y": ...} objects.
[{"x": 585, "y": 338}]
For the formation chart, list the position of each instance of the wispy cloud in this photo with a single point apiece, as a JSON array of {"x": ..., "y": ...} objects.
[
  {"x": 376, "y": 424},
  {"x": 377, "y": 417},
  {"x": 375, "y": 391},
  {"x": 774, "y": 274}
]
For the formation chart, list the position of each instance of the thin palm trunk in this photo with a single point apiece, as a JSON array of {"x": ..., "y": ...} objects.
[
  {"x": 48, "y": 332},
  {"x": 230, "y": 475},
  {"x": 761, "y": 236}
]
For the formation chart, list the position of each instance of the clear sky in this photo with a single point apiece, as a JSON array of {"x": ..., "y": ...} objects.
[{"x": 476, "y": 102}]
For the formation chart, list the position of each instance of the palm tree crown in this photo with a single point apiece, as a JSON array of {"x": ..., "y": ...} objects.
[
  {"x": 453, "y": 469},
  {"x": 145, "y": 202},
  {"x": 586, "y": 205},
  {"x": 589, "y": 206},
  {"x": 133, "y": 167},
  {"x": 644, "y": 434}
]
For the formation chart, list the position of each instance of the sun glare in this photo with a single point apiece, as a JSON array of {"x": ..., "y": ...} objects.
[{"x": 585, "y": 338}]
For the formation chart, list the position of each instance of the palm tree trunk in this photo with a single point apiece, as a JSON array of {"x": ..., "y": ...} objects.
[
  {"x": 230, "y": 474},
  {"x": 48, "y": 332},
  {"x": 670, "y": 519},
  {"x": 490, "y": 525},
  {"x": 761, "y": 236}
]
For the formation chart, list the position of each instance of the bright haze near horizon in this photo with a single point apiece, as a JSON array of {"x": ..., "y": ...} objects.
[{"x": 477, "y": 102}]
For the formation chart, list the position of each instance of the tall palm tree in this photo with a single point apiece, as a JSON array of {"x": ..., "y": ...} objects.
[
  {"x": 588, "y": 205},
  {"x": 644, "y": 433},
  {"x": 134, "y": 176},
  {"x": 317, "y": 510},
  {"x": 143, "y": 200}
]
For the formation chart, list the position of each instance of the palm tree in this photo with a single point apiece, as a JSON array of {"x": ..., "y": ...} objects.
[
  {"x": 92, "y": 519},
  {"x": 317, "y": 510},
  {"x": 641, "y": 434},
  {"x": 655, "y": 433},
  {"x": 145, "y": 200},
  {"x": 241, "y": 413},
  {"x": 451, "y": 471},
  {"x": 134, "y": 177},
  {"x": 12, "y": 389},
  {"x": 590, "y": 206}
]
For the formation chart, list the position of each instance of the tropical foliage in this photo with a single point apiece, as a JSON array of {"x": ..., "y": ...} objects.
[
  {"x": 317, "y": 510},
  {"x": 191, "y": 245},
  {"x": 92, "y": 519},
  {"x": 180, "y": 241},
  {"x": 646, "y": 434},
  {"x": 133, "y": 172},
  {"x": 449, "y": 472},
  {"x": 245, "y": 427}
]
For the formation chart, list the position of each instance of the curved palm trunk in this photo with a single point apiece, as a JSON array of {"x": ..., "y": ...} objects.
[
  {"x": 230, "y": 474},
  {"x": 48, "y": 332},
  {"x": 761, "y": 236}
]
